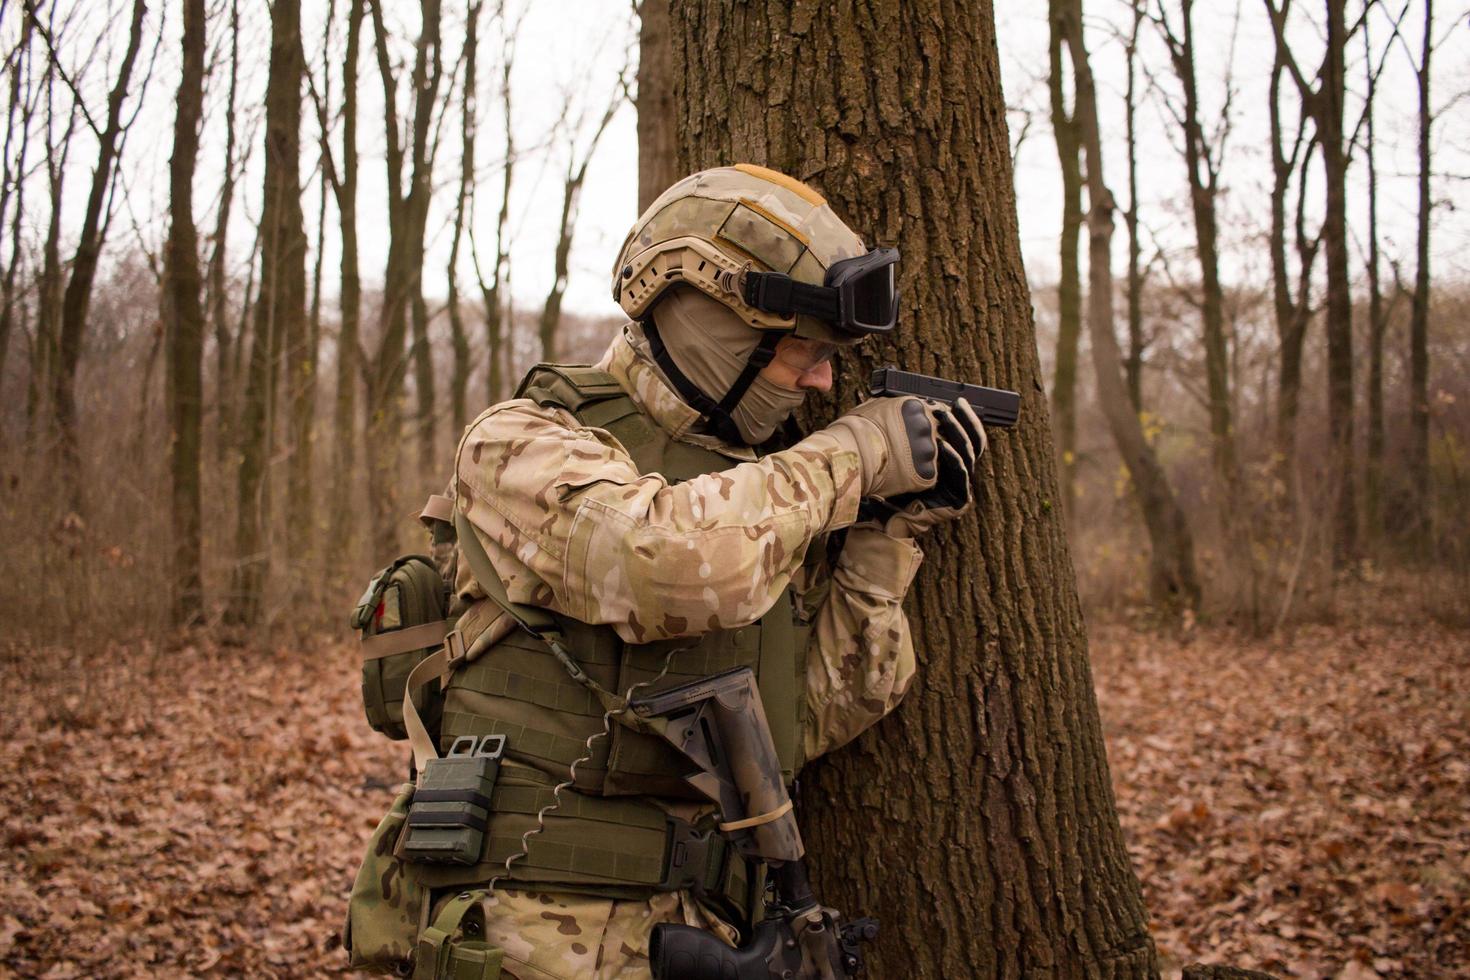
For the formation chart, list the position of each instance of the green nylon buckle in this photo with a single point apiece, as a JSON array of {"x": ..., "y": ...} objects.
[{"x": 695, "y": 860}]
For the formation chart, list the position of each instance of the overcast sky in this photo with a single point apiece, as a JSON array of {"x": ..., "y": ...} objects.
[{"x": 572, "y": 51}]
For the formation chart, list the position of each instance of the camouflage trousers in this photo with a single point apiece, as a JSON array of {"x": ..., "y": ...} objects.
[{"x": 574, "y": 937}]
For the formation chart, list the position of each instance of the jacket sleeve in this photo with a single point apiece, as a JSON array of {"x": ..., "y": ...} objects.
[
  {"x": 860, "y": 659},
  {"x": 570, "y": 524}
]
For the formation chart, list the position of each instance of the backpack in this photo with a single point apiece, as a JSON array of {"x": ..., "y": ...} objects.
[{"x": 403, "y": 616}]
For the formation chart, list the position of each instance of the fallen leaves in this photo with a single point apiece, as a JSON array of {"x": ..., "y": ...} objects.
[
  {"x": 1292, "y": 806},
  {"x": 1297, "y": 806}
]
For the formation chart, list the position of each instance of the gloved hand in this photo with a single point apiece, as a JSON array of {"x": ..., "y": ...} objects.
[
  {"x": 962, "y": 441},
  {"x": 897, "y": 442}
]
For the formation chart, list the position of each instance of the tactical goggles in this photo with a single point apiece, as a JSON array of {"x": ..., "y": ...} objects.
[{"x": 858, "y": 296}]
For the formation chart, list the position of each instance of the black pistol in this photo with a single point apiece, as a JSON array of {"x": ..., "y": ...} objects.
[{"x": 996, "y": 407}]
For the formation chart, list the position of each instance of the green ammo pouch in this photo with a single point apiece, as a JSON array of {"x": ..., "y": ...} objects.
[
  {"x": 451, "y": 807},
  {"x": 402, "y": 619}
]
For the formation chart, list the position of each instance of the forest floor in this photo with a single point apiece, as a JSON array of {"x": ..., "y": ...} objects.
[{"x": 1296, "y": 805}]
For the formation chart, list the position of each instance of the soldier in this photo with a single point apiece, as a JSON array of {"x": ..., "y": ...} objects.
[{"x": 649, "y": 506}]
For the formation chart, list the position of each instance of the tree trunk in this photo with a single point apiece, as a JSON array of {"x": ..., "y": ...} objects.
[
  {"x": 1339, "y": 289},
  {"x": 78, "y": 296},
  {"x": 1203, "y": 173},
  {"x": 1373, "y": 468},
  {"x": 1133, "y": 365},
  {"x": 280, "y": 307},
  {"x": 1012, "y": 859},
  {"x": 407, "y": 214},
  {"x": 1069, "y": 285},
  {"x": 1419, "y": 506},
  {"x": 1173, "y": 583},
  {"x": 219, "y": 308},
  {"x": 184, "y": 321},
  {"x": 349, "y": 364},
  {"x": 14, "y": 187},
  {"x": 459, "y": 383},
  {"x": 658, "y": 151}
]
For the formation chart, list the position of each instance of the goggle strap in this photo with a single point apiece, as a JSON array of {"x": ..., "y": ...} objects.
[{"x": 778, "y": 293}]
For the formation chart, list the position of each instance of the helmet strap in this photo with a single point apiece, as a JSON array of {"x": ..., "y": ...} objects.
[{"x": 719, "y": 415}]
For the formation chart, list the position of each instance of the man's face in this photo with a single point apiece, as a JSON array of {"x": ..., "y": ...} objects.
[{"x": 801, "y": 365}]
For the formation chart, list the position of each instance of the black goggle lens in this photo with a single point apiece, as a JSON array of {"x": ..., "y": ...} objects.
[{"x": 865, "y": 284}]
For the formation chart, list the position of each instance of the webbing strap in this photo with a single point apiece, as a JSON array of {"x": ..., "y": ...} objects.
[
  {"x": 437, "y": 957},
  {"x": 438, "y": 665},
  {"x": 394, "y": 642},
  {"x": 541, "y": 624}
]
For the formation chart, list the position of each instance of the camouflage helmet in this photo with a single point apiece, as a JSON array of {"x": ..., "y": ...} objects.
[{"x": 761, "y": 243}]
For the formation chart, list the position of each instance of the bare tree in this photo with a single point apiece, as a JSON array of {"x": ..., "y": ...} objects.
[
  {"x": 1069, "y": 286},
  {"x": 279, "y": 309},
  {"x": 1133, "y": 363},
  {"x": 459, "y": 383},
  {"x": 407, "y": 211},
  {"x": 576, "y": 175},
  {"x": 218, "y": 303},
  {"x": 1419, "y": 505},
  {"x": 497, "y": 324},
  {"x": 1203, "y": 157},
  {"x": 1322, "y": 99},
  {"x": 1173, "y": 581},
  {"x": 1292, "y": 303},
  {"x": 19, "y": 112},
  {"x": 183, "y": 316},
  {"x": 78, "y": 295},
  {"x": 51, "y": 281}
]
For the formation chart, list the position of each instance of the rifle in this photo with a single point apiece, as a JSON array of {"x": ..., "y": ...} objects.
[
  {"x": 719, "y": 724},
  {"x": 997, "y": 407}
]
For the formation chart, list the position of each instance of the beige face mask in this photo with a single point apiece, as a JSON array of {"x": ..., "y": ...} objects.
[{"x": 710, "y": 344}]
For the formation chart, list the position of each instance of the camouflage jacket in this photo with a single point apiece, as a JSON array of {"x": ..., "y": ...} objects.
[{"x": 571, "y": 525}]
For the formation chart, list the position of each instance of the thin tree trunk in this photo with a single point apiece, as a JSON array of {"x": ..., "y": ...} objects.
[
  {"x": 349, "y": 363},
  {"x": 219, "y": 308},
  {"x": 1420, "y": 504},
  {"x": 497, "y": 324},
  {"x": 78, "y": 295},
  {"x": 13, "y": 186},
  {"x": 1069, "y": 285},
  {"x": 1173, "y": 582},
  {"x": 1203, "y": 171},
  {"x": 570, "y": 207},
  {"x": 1012, "y": 860},
  {"x": 184, "y": 323},
  {"x": 658, "y": 151},
  {"x": 1339, "y": 289},
  {"x": 1373, "y": 482},
  {"x": 407, "y": 213},
  {"x": 459, "y": 383},
  {"x": 280, "y": 308},
  {"x": 1133, "y": 364}
]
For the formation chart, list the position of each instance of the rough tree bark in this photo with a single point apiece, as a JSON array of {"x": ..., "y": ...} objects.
[
  {"x": 1069, "y": 284},
  {"x": 78, "y": 295},
  {"x": 658, "y": 151},
  {"x": 1001, "y": 853},
  {"x": 184, "y": 321},
  {"x": 280, "y": 308}
]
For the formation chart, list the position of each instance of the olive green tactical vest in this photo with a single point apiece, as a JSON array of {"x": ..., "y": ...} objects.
[{"x": 517, "y": 688}]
